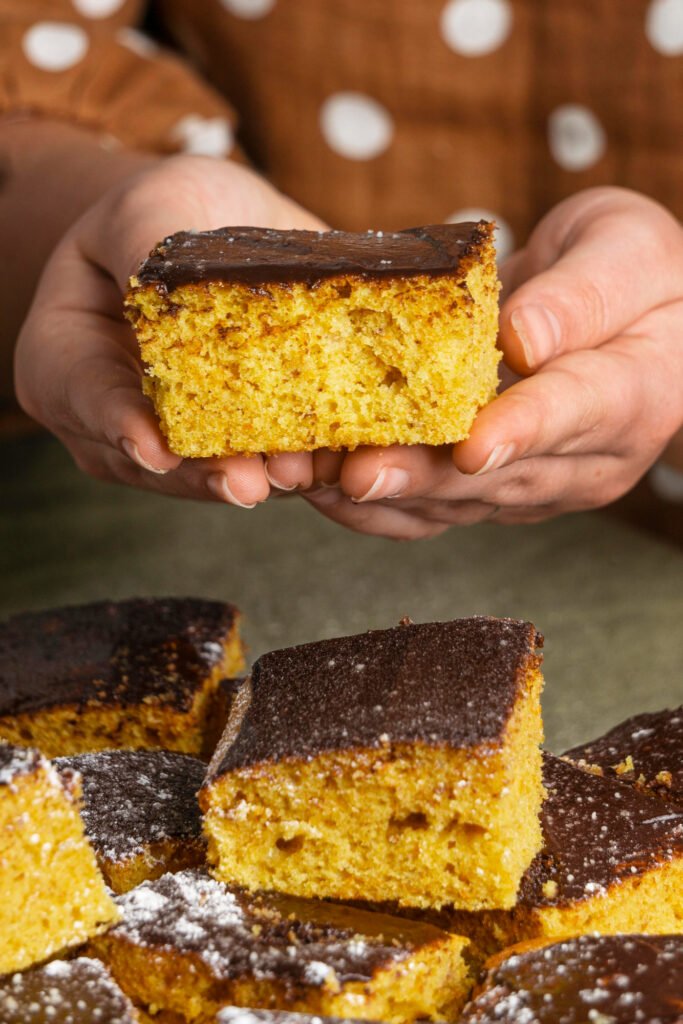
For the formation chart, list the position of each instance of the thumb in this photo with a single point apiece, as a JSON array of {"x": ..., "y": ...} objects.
[{"x": 593, "y": 266}]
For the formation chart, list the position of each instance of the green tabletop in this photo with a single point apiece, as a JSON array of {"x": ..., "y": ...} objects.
[{"x": 609, "y": 599}]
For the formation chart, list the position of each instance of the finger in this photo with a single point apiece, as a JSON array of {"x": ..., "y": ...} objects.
[
  {"x": 327, "y": 466},
  {"x": 372, "y": 519},
  {"x": 512, "y": 272},
  {"x": 587, "y": 281},
  {"x": 238, "y": 480},
  {"x": 74, "y": 368},
  {"x": 290, "y": 470},
  {"x": 373, "y": 474},
  {"x": 243, "y": 486},
  {"x": 582, "y": 403},
  {"x": 449, "y": 513}
]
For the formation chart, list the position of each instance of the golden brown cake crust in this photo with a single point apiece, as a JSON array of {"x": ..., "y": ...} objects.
[
  {"x": 257, "y": 256},
  {"x": 111, "y": 652},
  {"x": 620, "y": 979},
  {"x": 452, "y": 683}
]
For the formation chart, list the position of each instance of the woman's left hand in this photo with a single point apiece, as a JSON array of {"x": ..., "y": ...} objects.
[{"x": 592, "y": 329}]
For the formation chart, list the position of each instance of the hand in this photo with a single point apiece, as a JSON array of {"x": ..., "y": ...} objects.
[
  {"x": 592, "y": 323},
  {"x": 77, "y": 370}
]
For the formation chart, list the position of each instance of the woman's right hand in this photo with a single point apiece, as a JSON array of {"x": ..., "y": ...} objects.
[{"x": 77, "y": 369}]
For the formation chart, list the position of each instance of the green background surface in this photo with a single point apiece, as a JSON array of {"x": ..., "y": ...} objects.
[{"x": 609, "y": 599}]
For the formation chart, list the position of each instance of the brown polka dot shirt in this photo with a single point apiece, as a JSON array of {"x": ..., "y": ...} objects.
[{"x": 375, "y": 113}]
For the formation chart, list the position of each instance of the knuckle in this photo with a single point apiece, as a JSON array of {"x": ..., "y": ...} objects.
[
  {"x": 586, "y": 305},
  {"x": 530, "y": 411}
]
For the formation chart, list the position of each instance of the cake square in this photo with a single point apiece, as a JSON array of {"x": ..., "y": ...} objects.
[
  {"x": 612, "y": 861},
  {"x": 401, "y": 764},
  {"x": 77, "y": 991},
  {"x": 136, "y": 673},
  {"x": 645, "y": 751},
  {"x": 140, "y": 812},
  {"x": 257, "y": 340},
  {"x": 622, "y": 979},
  {"x": 189, "y": 945},
  {"x": 53, "y": 895}
]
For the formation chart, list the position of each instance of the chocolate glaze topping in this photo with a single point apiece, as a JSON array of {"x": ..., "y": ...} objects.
[
  {"x": 132, "y": 798},
  {"x": 242, "y": 1015},
  {"x": 437, "y": 683},
  {"x": 655, "y": 744},
  {"x": 111, "y": 653},
  {"x": 257, "y": 256},
  {"x": 613, "y": 979},
  {"x": 596, "y": 834},
  {"x": 300, "y": 943},
  {"x": 64, "y": 992}
]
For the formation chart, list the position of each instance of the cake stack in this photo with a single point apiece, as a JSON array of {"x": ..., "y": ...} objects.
[{"x": 376, "y": 822}]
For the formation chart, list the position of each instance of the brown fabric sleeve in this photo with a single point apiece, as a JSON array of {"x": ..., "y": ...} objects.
[{"x": 83, "y": 61}]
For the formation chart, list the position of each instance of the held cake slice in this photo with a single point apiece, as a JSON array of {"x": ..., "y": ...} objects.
[
  {"x": 136, "y": 673},
  {"x": 189, "y": 945},
  {"x": 621, "y": 979},
  {"x": 140, "y": 812},
  {"x": 77, "y": 991},
  {"x": 401, "y": 764},
  {"x": 257, "y": 340},
  {"x": 53, "y": 895},
  {"x": 612, "y": 861},
  {"x": 645, "y": 751}
]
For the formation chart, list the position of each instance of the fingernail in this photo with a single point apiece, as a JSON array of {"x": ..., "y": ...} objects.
[
  {"x": 500, "y": 456},
  {"x": 390, "y": 483},
  {"x": 324, "y": 495},
  {"x": 539, "y": 331},
  {"x": 133, "y": 453},
  {"x": 274, "y": 482},
  {"x": 218, "y": 485}
]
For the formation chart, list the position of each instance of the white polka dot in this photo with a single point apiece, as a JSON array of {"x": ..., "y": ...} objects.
[
  {"x": 98, "y": 8},
  {"x": 576, "y": 137},
  {"x": 137, "y": 42},
  {"x": 664, "y": 26},
  {"x": 249, "y": 9},
  {"x": 204, "y": 136},
  {"x": 503, "y": 237},
  {"x": 55, "y": 45},
  {"x": 355, "y": 125},
  {"x": 475, "y": 27}
]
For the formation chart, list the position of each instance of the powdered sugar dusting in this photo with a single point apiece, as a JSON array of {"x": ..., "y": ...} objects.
[
  {"x": 596, "y": 834},
  {"x": 132, "y": 798},
  {"x": 645, "y": 752},
  {"x": 602, "y": 979},
  {"x": 16, "y": 761},
  {"x": 239, "y": 1015},
  {"x": 261, "y": 937},
  {"x": 77, "y": 991}
]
